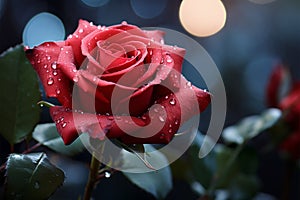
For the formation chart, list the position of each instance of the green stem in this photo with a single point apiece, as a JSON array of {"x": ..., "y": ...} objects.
[
  {"x": 219, "y": 178},
  {"x": 92, "y": 180}
]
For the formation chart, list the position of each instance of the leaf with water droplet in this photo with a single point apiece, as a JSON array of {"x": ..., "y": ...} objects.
[
  {"x": 158, "y": 182},
  {"x": 47, "y": 135},
  {"x": 19, "y": 88},
  {"x": 136, "y": 149},
  {"x": 28, "y": 176}
]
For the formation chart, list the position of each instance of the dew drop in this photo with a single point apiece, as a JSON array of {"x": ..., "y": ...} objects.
[
  {"x": 95, "y": 78},
  {"x": 161, "y": 119},
  {"x": 144, "y": 118},
  {"x": 36, "y": 185},
  {"x": 59, "y": 79},
  {"x": 166, "y": 97},
  {"x": 169, "y": 60},
  {"x": 48, "y": 57},
  {"x": 172, "y": 101},
  {"x": 41, "y": 105},
  {"x": 175, "y": 47},
  {"x": 170, "y": 130},
  {"x": 70, "y": 36},
  {"x": 57, "y": 91},
  {"x": 107, "y": 174},
  {"x": 74, "y": 70},
  {"x": 64, "y": 124},
  {"x": 124, "y": 23},
  {"x": 45, "y": 66},
  {"x": 176, "y": 122},
  {"x": 75, "y": 79},
  {"x": 205, "y": 90},
  {"x": 54, "y": 73},
  {"x": 155, "y": 110},
  {"x": 50, "y": 81},
  {"x": 189, "y": 84},
  {"x": 54, "y": 65},
  {"x": 80, "y": 30}
]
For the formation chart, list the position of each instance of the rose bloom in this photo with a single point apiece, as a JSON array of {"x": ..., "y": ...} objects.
[
  {"x": 107, "y": 79},
  {"x": 290, "y": 106}
]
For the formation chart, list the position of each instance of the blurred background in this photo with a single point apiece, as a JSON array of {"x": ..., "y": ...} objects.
[{"x": 257, "y": 35}]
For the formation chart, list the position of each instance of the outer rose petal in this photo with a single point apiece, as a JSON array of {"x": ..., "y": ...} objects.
[
  {"x": 107, "y": 124},
  {"x": 292, "y": 145},
  {"x": 45, "y": 60},
  {"x": 74, "y": 40},
  {"x": 277, "y": 79}
]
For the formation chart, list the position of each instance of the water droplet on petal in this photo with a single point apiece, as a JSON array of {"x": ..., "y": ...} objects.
[
  {"x": 189, "y": 84},
  {"x": 64, "y": 124},
  {"x": 170, "y": 130},
  {"x": 50, "y": 81},
  {"x": 54, "y": 73},
  {"x": 124, "y": 23},
  {"x": 75, "y": 79},
  {"x": 57, "y": 91},
  {"x": 161, "y": 119},
  {"x": 169, "y": 60},
  {"x": 166, "y": 97},
  {"x": 95, "y": 78},
  {"x": 48, "y": 57},
  {"x": 45, "y": 66},
  {"x": 176, "y": 122},
  {"x": 54, "y": 65},
  {"x": 107, "y": 174},
  {"x": 172, "y": 101},
  {"x": 144, "y": 118},
  {"x": 80, "y": 30},
  {"x": 205, "y": 90}
]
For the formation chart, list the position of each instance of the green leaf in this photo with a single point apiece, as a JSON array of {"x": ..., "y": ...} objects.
[
  {"x": 47, "y": 135},
  {"x": 244, "y": 187},
  {"x": 251, "y": 126},
  {"x": 138, "y": 150},
  {"x": 18, "y": 97},
  {"x": 158, "y": 182},
  {"x": 31, "y": 176}
]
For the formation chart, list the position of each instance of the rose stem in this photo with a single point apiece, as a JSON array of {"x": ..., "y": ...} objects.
[{"x": 95, "y": 164}]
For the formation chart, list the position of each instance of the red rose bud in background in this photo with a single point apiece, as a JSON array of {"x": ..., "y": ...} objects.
[
  {"x": 117, "y": 82},
  {"x": 284, "y": 94}
]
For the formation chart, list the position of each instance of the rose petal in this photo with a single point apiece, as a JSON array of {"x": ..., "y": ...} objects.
[
  {"x": 275, "y": 85},
  {"x": 45, "y": 60},
  {"x": 74, "y": 40},
  {"x": 70, "y": 124},
  {"x": 177, "y": 114}
]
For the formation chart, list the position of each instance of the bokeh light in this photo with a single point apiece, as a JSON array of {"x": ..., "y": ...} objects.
[
  {"x": 41, "y": 28},
  {"x": 95, "y": 3},
  {"x": 262, "y": 1},
  {"x": 148, "y": 9},
  {"x": 202, "y": 17}
]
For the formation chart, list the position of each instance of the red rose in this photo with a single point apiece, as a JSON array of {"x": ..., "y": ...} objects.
[
  {"x": 107, "y": 79},
  {"x": 289, "y": 102}
]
